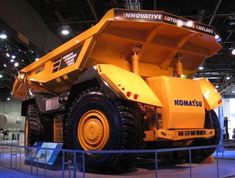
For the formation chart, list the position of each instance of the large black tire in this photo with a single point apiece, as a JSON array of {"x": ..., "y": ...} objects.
[
  {"x": 125, "y": 130},
  {"x": 33, "y": 125},
  {"x": 211, "y": 121}
]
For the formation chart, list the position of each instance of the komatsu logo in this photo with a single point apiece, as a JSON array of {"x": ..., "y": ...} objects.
[{"x": 194, "y": 103}]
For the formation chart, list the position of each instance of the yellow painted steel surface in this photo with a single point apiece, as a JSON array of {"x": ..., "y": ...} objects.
[
  {"x": 182, "y": 102},
  {"x": 154, "y": 135},
  {"x": 212, "y": 98},
  {"x": 136, "y": 54},
  {"x": 159, "y": 36},
  {"x": 93, "y": 130},
  {"x": 26, "y": 133},
  {"x": 131, "y": 86},
  {"x": 58, "y": 130}
]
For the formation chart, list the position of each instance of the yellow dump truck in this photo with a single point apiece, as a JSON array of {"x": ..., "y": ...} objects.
[{"x": 125, "y": 83}]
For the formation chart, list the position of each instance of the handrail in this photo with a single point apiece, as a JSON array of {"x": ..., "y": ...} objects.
[{"x": 83, "y": 154}]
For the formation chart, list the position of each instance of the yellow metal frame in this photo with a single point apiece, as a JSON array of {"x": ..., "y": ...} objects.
[
  {"x": 211, "y": 96},
  {"x": 112, "y": 41},
  {"x": 157, "y": 135},
  {"x": 182, "y": 102},
  {"x": 130, "y": 85},
  {"x": 58, "y": 129},
  {"x": 26, "y": 133}
]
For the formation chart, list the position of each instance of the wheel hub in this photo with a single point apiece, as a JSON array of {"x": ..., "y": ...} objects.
[{"x": 93, "y": 130}]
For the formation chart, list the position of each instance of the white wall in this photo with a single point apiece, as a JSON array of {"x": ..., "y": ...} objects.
[
  {"x": 232, "y": 117},
  {"x": 12, "y": 109},
  {"x": 226, "y": 108},
  {"x": 229, "y": 112}
]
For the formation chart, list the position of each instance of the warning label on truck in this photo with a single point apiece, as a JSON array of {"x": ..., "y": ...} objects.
[{"x": 66, "y": 60}]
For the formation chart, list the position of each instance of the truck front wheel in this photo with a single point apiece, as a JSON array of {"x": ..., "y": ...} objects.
[
  {"x": 98, "y": 123},
  {"x": 211, "y": 121}
]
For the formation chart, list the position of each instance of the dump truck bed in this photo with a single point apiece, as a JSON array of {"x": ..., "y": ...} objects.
[{"x": 161, "y": 39}]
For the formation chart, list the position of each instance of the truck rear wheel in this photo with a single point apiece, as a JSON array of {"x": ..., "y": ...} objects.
[
  {"x": 98, "y": 123},
  {"x": 211, "y": 121},
  {"x": 32, "y": 125}
]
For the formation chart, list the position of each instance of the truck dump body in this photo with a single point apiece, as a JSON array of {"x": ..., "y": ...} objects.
[{"x": 160, "y": 37}]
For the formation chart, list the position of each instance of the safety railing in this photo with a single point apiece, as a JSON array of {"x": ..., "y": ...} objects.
[{"x": 13, "y": 157}]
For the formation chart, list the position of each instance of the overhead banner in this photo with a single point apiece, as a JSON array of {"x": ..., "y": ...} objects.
[{"x": 158, "y": 16}]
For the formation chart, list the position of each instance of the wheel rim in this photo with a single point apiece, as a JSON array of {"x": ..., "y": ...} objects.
[{"x": 93, "y": 130}]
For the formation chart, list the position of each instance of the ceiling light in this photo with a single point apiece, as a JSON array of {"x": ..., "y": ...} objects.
[
  {"x": 217, "y": 37},
  {"x": 65, "y": 32},
  {"x": 3, "y": 36},
  {"x": 201, "y": 68},
  {"x": 36, "y": 59},
  {"x": 227, "y": 78},
  {"x": 12, "y": 60},
  {"x": 189, "y": 23},
  {"x": 217, "y": 86},
  {"x": 4, "y": 65},
  {"x": 13, "y": 56},
  {"x": 7, "y": 54},
  {"x": 8, "y": 99},
  {"x": 16, "y": 64},
  {"x": 179, "y": 23},
  {"x": 1, "y": 75},
  {"x": 233, "y": 91},
  {"x": 233, "y": 52}
]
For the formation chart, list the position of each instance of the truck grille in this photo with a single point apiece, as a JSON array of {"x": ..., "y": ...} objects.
[{"x": 187, "y": 133}]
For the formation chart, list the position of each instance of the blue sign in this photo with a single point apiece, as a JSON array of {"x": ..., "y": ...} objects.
[{"x": 47, "y": 152}]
